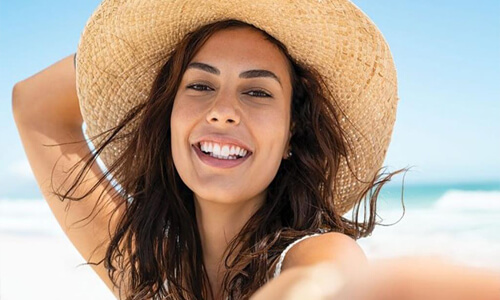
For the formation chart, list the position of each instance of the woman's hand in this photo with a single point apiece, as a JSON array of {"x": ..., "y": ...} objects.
[
  {"x": 422, "y": 278},
  {"x": 399, "y": 279},
  {"x": 319, "y": 281}
]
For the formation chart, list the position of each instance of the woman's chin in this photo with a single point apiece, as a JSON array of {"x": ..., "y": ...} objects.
[
  {"x": 225, "y": 196},
  {"x": 219, "y": 196}
]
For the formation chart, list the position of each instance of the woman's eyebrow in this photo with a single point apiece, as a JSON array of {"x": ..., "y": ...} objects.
[
  {"x": 246, "y": 74},
  {"x": 203, "y": 67},
  {"x": 259, "y": 73}
]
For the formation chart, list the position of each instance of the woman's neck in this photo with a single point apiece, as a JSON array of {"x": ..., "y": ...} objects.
[{"x": 218, "y": 223}]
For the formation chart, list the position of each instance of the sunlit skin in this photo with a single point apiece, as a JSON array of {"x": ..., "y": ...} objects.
[{"x": 253, "y": 110}]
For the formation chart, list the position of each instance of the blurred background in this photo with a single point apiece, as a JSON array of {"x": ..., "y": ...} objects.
[{"x": 447, "y": 55}]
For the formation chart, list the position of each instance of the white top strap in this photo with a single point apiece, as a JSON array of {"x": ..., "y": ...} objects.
[{"x": 277, "y": 270}]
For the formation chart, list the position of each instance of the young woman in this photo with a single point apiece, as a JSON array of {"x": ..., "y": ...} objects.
[{"x": 237, "y": 152}]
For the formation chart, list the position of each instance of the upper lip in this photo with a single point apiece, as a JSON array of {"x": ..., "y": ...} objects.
[{"x": 223, "y": 139}]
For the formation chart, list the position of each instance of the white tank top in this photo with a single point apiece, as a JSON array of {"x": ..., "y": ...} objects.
[{"x": 277, "y": 270}]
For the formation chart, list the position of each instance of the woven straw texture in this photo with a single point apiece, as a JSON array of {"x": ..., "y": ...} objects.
[{"x": 125, "y": 42}]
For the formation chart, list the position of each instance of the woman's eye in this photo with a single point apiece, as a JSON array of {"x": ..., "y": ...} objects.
[
  {"x": 258, "y": 93},
  {"x": 199, "y": 87}
]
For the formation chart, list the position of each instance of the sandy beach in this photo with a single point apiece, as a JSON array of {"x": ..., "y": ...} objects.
[
  {"x": 46, "y": 267},
  {"x": 37, "y": 261}
]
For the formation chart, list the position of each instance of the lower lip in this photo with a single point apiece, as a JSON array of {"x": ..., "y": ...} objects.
[{"x": 219, "y": 163}]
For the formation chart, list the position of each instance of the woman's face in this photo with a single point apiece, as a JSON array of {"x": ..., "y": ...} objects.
[{"x": 234, "y": 100}]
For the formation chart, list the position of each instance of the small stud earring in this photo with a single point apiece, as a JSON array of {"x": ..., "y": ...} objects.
[{"x": 289, "y": 154}]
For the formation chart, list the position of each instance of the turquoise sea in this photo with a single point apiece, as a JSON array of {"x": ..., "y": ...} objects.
[
  {"x": 455, "y": 221},
  {"x": 426, "y": 195}
]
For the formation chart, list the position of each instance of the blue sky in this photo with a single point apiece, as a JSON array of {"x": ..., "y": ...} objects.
[{"x": 447, "y": 55}]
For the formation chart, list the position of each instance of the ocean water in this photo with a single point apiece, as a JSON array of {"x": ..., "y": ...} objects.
[{"x": 457, "y": 222}]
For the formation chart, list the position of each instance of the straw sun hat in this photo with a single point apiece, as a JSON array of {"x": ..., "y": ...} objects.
[{"x": 125, "y": 42}]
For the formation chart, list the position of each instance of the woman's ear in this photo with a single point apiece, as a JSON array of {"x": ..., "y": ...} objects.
[
  {"x": 292, "y": 131},
  {"x": 292, "y": 128},
  {"x": 287, "y": 153},
  {"x": 288, "y": 149}
]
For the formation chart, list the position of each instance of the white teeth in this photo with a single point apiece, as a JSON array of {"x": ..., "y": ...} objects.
[
  {"x": 225, "y": 150},
  {"x": 236, "y": 150},
  {"x": 222, "y": 151},
  {"x": 216, "y": 149}
]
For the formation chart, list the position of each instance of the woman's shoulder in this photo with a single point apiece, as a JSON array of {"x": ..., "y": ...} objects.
[{"x": 321, "y": 247}]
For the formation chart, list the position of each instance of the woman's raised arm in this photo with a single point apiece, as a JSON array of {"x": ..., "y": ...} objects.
[{"x": 46, "y": 112}]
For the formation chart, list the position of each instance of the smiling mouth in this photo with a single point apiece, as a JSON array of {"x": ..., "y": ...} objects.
[{"x": 223, "y": 155}]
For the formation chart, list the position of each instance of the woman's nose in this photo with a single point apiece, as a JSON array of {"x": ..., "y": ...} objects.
[{"x": 224, "y": 111}]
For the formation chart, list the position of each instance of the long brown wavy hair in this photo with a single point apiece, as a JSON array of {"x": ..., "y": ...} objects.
[{"x": 155, "y": 250}]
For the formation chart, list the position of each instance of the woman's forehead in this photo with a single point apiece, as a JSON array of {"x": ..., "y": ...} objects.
[{"x": 243, "y": 47}]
